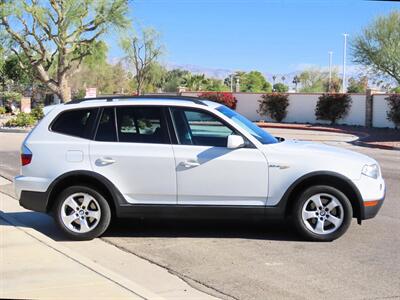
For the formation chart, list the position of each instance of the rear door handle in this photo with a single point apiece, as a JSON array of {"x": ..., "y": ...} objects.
[
  {"x": 105, "y": 161},
  {"x": 190, "y": 163}
]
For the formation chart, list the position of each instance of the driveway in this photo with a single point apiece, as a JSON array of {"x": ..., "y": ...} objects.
[{"x": 260, "y": 260}]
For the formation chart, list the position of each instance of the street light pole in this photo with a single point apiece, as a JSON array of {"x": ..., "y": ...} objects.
[
  {"x": 344, "y": 63},
  {"x": 330, "y": 70}
]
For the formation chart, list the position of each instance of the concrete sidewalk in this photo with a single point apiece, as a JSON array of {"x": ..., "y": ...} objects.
[
  {"x": 37, "y": 265},
  {"x": 32, "y": 270}
]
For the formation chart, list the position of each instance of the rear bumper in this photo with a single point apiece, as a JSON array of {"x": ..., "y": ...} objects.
[
  {"x": 36, "y": 201},
  {"x": 32, "y": 192}
]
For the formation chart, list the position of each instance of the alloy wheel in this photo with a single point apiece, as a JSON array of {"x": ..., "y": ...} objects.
[
  {"x": 322, "y": 213},
  {"x": 80, "y": 212}
]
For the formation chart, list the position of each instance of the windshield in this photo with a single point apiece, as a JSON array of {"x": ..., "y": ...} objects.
[{"x": 260, "y": 134}]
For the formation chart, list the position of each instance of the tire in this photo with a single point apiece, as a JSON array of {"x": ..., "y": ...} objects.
[
  {"x": 80, "y": 222},
  {"x": 326, "y": 221}
]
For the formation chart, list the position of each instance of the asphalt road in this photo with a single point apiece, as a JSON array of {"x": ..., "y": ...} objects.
[{"x": 260, "y": 260}]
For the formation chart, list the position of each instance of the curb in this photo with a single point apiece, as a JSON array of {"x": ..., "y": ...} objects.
[
  {"x": 85, "y": 262},
  {"x": 326, "y": 129},
  {"x": 9, "y": 178},
  {"x": 359, "y": 142},
  {"x": 15, "y": 130},
  {"x": 375, "y": 146}
]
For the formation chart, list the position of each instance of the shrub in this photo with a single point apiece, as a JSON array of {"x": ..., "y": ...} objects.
[
  {"x": 11, "y": 96},
  {"x": 396, "y": 90},
  {"x": 332, "y": 107},
  {"x": 225, "y": 98},
  {"x": 21, "y": 120},
  {"x": 280, "y": 87},
  {"x": 394, "y": 109},
  {"x": 275, "y": 105},
  {"x": 2, "y": 110},
  {"x": 37, "y": 112}
]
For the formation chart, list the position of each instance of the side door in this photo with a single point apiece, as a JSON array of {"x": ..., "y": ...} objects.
[
  {"x": 208, "y": 173},
  {"x": 132, "y": 149}
]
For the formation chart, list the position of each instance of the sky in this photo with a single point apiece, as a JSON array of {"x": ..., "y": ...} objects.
[{"x": 272, "y": 36}]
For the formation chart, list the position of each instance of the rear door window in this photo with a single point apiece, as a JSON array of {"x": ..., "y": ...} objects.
[
  {"x": 106, "y": 131},
  {"x": 76, "y": 122},
  {"x": 142, "y": 125}
]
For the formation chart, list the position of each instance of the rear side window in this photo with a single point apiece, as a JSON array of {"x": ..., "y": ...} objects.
[
  {"x": 106, "y": 131},
  {"x": 141, "y": 125},
  {"x": 75, "y": 122}
]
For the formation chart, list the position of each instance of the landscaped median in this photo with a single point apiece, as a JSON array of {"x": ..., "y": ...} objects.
[
  {"x": 381, "y": 138},
  {"x": 22, "y": 121}
]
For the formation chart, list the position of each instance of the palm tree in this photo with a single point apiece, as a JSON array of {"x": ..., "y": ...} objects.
[
  {"x": 296, "y": 80},
  {"x": 195, "y": 82}
]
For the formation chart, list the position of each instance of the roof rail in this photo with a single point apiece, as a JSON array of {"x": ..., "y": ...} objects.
[{"x": 112, "y": 98}]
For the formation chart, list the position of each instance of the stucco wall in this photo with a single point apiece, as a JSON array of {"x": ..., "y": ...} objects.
[
  {"x": 379, "y": 109},
  {"x": 301, "y": 109}
]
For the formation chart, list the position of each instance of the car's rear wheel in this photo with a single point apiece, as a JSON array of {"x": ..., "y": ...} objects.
[
  {"x": 322, "y": 213},
  {"x": 82, "y": 212}
]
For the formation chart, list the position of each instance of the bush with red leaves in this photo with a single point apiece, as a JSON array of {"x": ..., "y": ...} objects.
[
  {"x": 393, "y": 113},
  {"x": 225, "y": 98},
  {"x": 332, "y": 107}
]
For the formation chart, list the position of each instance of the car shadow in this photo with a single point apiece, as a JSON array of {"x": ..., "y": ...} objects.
[
  {"x": 181, "y": 228},
  {"x": 167, "y": 228}
]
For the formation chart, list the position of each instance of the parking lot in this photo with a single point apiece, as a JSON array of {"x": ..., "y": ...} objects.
[{"x": 259, "y": 260}]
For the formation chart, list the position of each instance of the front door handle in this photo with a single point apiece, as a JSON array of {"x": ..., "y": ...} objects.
[
  {"x": 105, "y": 161},
  {"x": 190, "y": 163}
]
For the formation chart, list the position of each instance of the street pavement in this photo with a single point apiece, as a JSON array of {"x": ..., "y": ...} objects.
[{"x": 263, "y": 260}]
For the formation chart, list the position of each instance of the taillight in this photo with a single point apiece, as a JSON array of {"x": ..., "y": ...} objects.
[{"x": 26, "y": 155}]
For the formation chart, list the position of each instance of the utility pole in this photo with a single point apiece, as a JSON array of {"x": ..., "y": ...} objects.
[
  {"x": 330, "y": 71},
  {"x": 231, "y": 76},
  {"x": 344, "y": 63}
]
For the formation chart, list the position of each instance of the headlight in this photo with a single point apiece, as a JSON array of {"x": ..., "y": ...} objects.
[{"x": 371, "y": 171}]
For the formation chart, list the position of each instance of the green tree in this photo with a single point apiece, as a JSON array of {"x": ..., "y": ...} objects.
[
  {"x": 396, "y": 90},
  {"x": 216, "y": 85},
  {"x": 20, "y": 73},
  {"x": 95, "y": 71},
  {"x": 312, "y": 81},
  {"x": 2, "y": 74},
  {"x": 316, "y": 81},
  {"x": 357, "y": 85},
  {"x": 378, "y": 46},
  {"x": 56, "y": 35},
  {"x": 254, "y": 82},
  {"x": 155, "y": 78},
  {"x": 280, "y": 87},
  {"x": 196, "y": 82},
  {"x": 142, "y": 52},
  {"x": 174, "y": 79}
]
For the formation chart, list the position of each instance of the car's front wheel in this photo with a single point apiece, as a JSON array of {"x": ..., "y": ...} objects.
[
  {"x": 322, "y": 213},
  {"x": 82, "y": 212}
]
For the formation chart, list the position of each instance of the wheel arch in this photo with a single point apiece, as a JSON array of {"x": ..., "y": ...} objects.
[
  {"x": 333, "y": 179},
  {"x": 87, "y": 178}
]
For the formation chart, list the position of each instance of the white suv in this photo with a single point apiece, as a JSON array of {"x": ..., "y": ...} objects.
[{"x": 91, "y": 159}]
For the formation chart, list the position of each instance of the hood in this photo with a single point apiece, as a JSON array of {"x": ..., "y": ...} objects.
[{"x": 295, "y": 147}]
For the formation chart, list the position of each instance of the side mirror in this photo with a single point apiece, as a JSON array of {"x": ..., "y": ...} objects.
[{"x": 235, "y": 141}]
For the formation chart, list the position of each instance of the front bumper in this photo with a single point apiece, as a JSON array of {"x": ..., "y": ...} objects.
[
  {"x": 371, "y": 208},
  {"x": 372, "y": 194},
  {"x": 371, "y": 211}
]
